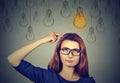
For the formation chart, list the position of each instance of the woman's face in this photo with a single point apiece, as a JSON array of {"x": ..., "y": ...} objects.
[{"x": 70, "y": 53}]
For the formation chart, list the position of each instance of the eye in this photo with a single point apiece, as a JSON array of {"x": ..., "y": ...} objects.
[
  {"x": 76, "y": 50},
  {"x": 65, "y": 49}
]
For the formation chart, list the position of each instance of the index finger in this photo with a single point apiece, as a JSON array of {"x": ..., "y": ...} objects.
[{"x": 58, "y": 35}]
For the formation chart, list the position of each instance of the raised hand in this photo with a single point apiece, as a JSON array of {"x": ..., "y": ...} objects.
[{"x": 53, "y": 36}]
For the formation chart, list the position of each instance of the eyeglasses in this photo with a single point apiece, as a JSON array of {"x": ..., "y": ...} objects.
[{"x": 74, "y": 52}]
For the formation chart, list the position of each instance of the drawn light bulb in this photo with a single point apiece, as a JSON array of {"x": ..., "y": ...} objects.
[
  {"x": 30, "y": 34},
  {"x": 15, "y": 6},
  {"x": 95, "y": 10},
  {"x": 82, "y": 2},
  {"x": 2, "y": 10},
  {"x": 36, "y": 15},
  {"x": 108, "y": 5},
  {"x": 23, "y": 20},
  {"x": 116, "y": 20},
  {"x": 80, "y": 19},
  {"x": 101, "y": 4},
  {"x": 74, "y": 3},
  {"x": 91, "y": 37},
  {"x": 7, "y": 26},
  {"x": 65, "y": 11},
  {"x": 43, "y": 3},
  {"x": 2, "y": 14},
  {"x": 100, "y": 26},
  {"x": 29, "y": 3},
  {"x": 48, "y": 19}
]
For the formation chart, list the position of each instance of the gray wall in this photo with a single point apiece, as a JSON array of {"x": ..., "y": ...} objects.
[{"x": 103, "y": 54}]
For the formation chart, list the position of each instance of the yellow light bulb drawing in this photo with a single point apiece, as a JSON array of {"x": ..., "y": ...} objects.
[{"x": 80, "y": 19}]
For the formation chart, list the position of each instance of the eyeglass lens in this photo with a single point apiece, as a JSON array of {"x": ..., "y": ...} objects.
[{"x": 66, "y": 51}]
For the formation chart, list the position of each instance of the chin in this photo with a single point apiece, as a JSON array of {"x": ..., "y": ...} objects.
[{"x": 71, "y": 65}]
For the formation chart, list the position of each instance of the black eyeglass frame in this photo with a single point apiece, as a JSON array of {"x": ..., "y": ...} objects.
[{"x": 70, "y": 51}]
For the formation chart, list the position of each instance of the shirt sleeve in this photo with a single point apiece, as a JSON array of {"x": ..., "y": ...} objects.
[{"x": 35, "y": 74}]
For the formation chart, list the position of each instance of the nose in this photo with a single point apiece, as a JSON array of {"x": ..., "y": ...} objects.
[{"x": 70, "y": 55}]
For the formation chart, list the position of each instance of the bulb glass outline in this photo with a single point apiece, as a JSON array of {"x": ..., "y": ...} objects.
[
  {"x": 95, "y": 10},
  {"x": 30, "y": 3},
  {"x": 7, "y": 26},
  {"x": 65, "y": 11},
  {"x": 100, "y": 26},
  {"x": 16, "y": 6},
  {"x": 23, "y": 20},
  {"x": 80, "y": 19},
  {"x": 116, "y": 20},
  {"x": 48, "y": 19},
  {"x": 36, "y": 16},
  {"x": 91, "y": 37},
  {"x": 30, "y": 34}
]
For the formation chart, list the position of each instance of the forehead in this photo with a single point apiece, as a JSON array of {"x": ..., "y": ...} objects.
[{"x": 70, "y": 44}]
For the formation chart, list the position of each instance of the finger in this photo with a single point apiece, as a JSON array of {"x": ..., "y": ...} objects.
[
  {"x": 58, "y": 34},
  {"x": 54, "y": 40}
]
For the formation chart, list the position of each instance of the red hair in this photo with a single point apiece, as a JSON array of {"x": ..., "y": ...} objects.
[{"x": 82, "y": 67}]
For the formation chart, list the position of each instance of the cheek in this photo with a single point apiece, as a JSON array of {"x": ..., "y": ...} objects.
[
  {"x": 62, "y": 58},
  {"x": 77, "y": 59}
]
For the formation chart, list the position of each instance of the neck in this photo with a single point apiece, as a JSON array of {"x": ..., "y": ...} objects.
[{"x": 68, "y": 73}]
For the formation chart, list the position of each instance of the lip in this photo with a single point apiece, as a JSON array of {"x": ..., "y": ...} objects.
[{"x": 69, "y": 61}]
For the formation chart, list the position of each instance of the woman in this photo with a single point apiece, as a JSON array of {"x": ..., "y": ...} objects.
[{"x": 68, "y": 65}]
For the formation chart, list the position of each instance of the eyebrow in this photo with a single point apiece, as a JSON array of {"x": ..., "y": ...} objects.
[{"x": 70, "y": 48}]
